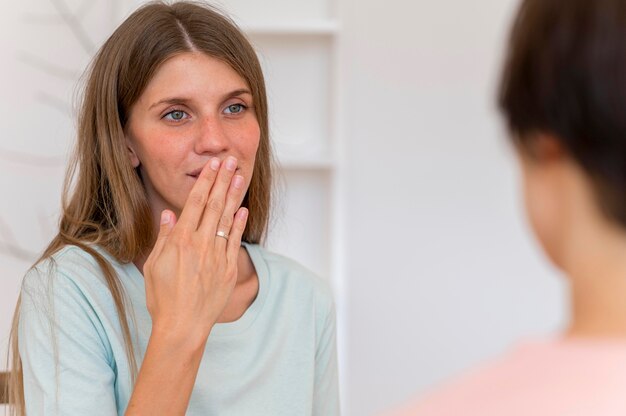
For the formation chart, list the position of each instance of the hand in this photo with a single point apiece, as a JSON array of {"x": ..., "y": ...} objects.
[{"x": 191, "y": 271}]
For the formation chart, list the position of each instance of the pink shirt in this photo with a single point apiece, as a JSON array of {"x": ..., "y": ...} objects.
[{"x": 568, "y": 377}]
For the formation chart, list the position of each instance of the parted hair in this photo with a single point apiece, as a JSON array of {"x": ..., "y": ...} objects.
[
  {"x": 104, "y": 202},
  {"x": 565, "y": 74}
]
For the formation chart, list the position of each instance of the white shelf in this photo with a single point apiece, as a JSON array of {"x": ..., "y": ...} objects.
[
  {"x": 300, "y": 164},
  {"x": 312, "y": 27}
]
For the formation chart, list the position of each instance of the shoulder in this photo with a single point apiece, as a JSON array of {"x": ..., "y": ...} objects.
[
  {"x": 462, "y": 393},
  {"x": 70, "y": 261},
  {"x": 534, "y": 378},
  {"x": 69, "y": 269}
]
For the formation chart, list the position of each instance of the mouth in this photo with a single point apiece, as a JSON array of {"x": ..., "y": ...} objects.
[{"x": 194, "y": 174}]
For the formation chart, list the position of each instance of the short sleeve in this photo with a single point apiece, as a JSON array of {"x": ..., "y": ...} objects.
[
  {"x": 67, "y": 363},
  {"x": 326, "y": 399}
]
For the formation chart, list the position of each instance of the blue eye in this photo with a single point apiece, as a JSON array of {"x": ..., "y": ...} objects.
[
  {"x": 235, "y": 108},
  {"x": 176, "y": 115}
]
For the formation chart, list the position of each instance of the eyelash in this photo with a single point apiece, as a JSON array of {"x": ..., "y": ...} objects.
[
  {"x": 175, "y": 111},
  {"x": 242, "y": 106}
]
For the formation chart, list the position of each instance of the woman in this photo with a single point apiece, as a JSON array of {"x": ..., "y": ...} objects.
[
  {"x": 155, "y": 297},
  {"x": 563, "y": 94}
]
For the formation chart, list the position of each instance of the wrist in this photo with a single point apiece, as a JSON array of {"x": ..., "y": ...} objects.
[{"x": 178, "y": 340}]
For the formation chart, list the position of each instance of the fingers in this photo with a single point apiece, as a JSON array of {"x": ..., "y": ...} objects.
[
  {"x": 236, "y": 232},
  {"x": 192, "y": 212},
  {"x": 220, "y": 195},
  {"x": 234, "y": 197},
  {"x": 213, "y": 200}
]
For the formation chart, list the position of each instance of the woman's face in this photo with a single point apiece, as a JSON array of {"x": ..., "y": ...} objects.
[{"x": 195, "y": 108}]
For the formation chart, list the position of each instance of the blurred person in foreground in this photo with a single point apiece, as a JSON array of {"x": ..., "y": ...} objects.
[{"x": 563, "y": 95}]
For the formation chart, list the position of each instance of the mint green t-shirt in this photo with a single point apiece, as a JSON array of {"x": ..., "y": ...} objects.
[{"x": 278, "y": 359}]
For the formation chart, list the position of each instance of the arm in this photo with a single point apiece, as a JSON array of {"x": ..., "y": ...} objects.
[
  {"x": 189, "y": 275},
  {"x": 166, "y": 377}
]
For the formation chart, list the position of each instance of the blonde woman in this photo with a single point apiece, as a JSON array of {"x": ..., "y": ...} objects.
[{"x": 155, "y": 297}]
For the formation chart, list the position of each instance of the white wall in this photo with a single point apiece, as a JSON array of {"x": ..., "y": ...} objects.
[{"x": 442, "y": 271}]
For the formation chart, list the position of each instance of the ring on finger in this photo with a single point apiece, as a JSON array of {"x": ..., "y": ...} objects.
[{"x": 222, "y": 234}]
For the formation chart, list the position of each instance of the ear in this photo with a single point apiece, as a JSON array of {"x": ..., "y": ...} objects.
[
  {"x": 545, "y": 147},
  {"x": 132, "y": 155}
]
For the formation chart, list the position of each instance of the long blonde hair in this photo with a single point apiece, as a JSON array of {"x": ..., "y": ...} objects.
[{"x": 104, "y": 202}]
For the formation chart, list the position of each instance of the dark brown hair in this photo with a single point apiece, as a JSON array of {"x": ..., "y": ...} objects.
[
  {"x": 104, "y": 201},
  {"x": 565, "y": 75}
]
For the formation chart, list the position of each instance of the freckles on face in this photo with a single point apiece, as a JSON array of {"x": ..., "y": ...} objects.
[{"x": 195, "y": 108}]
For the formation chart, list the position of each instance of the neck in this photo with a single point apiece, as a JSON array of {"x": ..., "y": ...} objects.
[{"x": 596, "y": 266}]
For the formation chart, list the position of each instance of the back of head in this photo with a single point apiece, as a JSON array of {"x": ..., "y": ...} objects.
[{"x": 565, "y": 75}]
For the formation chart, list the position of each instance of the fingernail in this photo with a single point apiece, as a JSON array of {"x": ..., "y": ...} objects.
[
  {"x": 243, "y": 213},
  {"x": 231, "y": 163},
  {"x": 214, "y": 163},
  {"x": 238, "y": 181},
  {"x": 165, "y": 217}
]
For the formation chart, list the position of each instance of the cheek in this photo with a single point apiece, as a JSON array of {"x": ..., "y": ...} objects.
[
  {"x": 543, "y": 213},
  {"x": 248, "y": 150},
  {"x": 161, "y": 149},
  {"x": 248, "y": 143}
]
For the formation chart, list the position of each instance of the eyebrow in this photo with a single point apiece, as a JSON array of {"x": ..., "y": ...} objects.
[{"x": 183, "y": 100}]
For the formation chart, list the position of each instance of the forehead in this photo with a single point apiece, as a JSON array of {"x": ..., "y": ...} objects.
[{"x": 193, "y": 74}]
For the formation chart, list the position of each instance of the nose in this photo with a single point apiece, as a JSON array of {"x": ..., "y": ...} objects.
[{"x": 211, "y": 137}]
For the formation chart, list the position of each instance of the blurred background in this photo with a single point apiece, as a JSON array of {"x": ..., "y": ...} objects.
[{"x": 397, "y": 181}]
